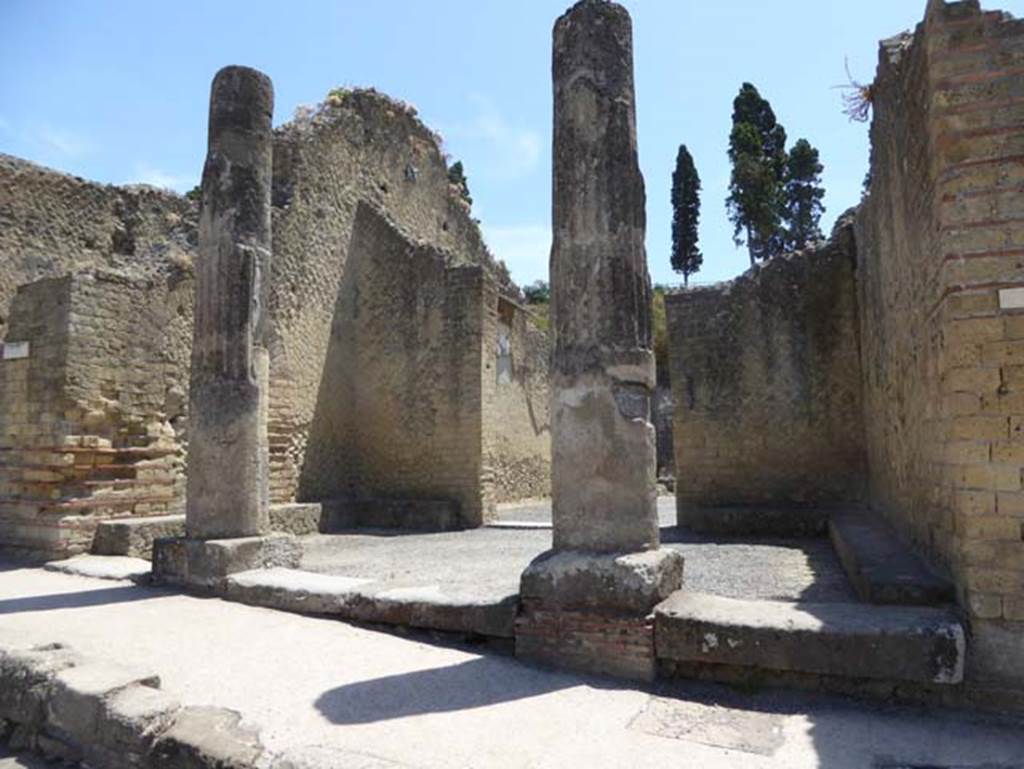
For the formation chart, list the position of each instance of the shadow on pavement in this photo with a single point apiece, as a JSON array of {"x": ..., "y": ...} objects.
[
  {"x": 476, "y": 683},
  {"x": 79, "y": 600}
]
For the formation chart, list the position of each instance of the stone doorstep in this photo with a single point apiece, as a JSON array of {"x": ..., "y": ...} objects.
[
  {"x": 363, "y": 600},
  {"x": 134, "y": 536},
  {"x": 115, "y": 567},
  {"x": 895, "y": 643},
  {"x": 204, "y": 564},
  {"x": 73, "y": 708},
  {"x": 880, "y": 567}
]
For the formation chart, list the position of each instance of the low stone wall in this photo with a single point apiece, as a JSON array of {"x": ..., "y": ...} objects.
[
  {"x": 72, "y": 709},
  {"x": 766, "y": 381}
]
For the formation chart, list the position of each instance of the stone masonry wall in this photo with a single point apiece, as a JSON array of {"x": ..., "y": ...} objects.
[
  {"x": 52, "y": 224},
  {"x": 399, "y": 409},
  {"x": 517, "y": 423},
  {"x": 941, "y": 246},
  {"x": 766, "y": 383},
  {"x": 359, "y": 147},
  {"x": 92, "y": 418}
]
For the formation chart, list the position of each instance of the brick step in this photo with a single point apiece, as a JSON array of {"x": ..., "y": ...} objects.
[
  {"x": 851, "y": 641},
  {"x": 880, "y": 567}
]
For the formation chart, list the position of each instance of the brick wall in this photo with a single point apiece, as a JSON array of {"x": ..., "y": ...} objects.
[
  {"x": 399, "y": 409},
  {"x": 942, "y": 240},
  {"x": 365, "y": 148},
  {"x": 766, "y": 382},
  {"x": 517, "y": 423},
  {"x": 92, "y": 417}
]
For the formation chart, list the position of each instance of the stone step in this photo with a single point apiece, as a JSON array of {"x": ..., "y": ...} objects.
[
  {"x": 881, "y": 568},
  {"x": 134, "y": 536},
  {"x": 485, "y": 613},
  {"x": 890, "y": 643}
]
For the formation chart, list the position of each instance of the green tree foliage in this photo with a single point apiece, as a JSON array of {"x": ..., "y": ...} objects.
[
  {"x": 457, "y": 178},
  {"x": 537, "y": 292},
  {"x": 803, "y": 195},
  {"x": 757, "y": 149},
  {"x": 686, "y": 256}
]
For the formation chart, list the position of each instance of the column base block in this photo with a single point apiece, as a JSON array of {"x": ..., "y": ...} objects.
[
  {"x": 592, "y": 612},
  {"x": 206, "y": 562}
]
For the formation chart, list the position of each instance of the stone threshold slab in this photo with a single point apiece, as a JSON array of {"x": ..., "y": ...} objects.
[
  {"x": 115, "y": 567},
  {"x": 892, "y": 643},
  {"x": 880, "y": 567},
  {"x": 427, "y": 607}
]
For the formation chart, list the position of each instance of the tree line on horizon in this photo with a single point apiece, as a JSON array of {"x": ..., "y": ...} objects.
[{"x": 775, "y": 194}]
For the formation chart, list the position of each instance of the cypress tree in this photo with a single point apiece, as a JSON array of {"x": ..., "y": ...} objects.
[
  {"x": 757, "y": 149},
  {"x": 686, "y": 256},
  {"x": 803, "y": 195}
]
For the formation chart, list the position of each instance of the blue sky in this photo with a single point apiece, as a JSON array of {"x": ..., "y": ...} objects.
[{"x": 116, "y": 90}]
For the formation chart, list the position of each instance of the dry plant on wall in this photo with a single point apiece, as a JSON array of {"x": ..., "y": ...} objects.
[{"x": 857, "y": 98}]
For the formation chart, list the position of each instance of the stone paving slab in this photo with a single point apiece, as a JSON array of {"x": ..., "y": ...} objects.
[{"x": 328, "y": 694}]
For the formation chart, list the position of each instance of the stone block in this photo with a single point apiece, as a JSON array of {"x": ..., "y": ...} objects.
[
  {"x": 296, "y": 518},
  {"x": 206, "y": 738},
  {"x": 893, "y": 643},
  {"x": 26, "y": 681},
  {"x": 133, "y": 716},
  {"x": 485, "y": 614},
  {"x": 77, "y": 702},
  {"x": 628, "y": 582},
  {"x": 135, "y": 536},
  {"x": 206, "y": 562},
  {"x": 881, "y": 568}
]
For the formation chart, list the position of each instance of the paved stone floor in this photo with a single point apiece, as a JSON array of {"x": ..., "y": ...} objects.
[
  {"x": 491, "y": 559},
  {"x": 339, "y": 695}
]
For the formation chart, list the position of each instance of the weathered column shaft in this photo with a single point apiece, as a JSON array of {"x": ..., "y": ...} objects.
[
  {"x": 603, "y": 442},
  {"x": 227, "y": 451}
]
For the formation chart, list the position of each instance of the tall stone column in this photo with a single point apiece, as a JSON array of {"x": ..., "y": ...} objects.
[
  {"x": 605, "y": 573},
  {"x": 227, "y": 448},
  {"x": 227, "y": 518}
]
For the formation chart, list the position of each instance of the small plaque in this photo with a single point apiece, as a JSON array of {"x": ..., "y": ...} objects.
[
  {"x": 1011, "y": 298},
  {"x": 15, "y": 350}
]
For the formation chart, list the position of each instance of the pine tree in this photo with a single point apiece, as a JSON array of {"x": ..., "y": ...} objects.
[
  {"x": 686, "y": 256},
  {"x": 803, "y": 195},
  {"x": 457, "y": 178},
  {"x": 757, "y": 149}
]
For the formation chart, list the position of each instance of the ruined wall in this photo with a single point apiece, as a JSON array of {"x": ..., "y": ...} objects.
[
  {"x": 941, "y": 276},
  {"x": 92, "y": 415},
  {"x": 359, "y": 147},
  {"x": 517, "y": 423},
  {"x": 766, "y": 381},
  {"x": 52, "y": 224},
  {"x": 399, "y": 409}
]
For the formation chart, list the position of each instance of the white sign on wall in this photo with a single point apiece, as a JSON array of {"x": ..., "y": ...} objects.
[
  {"x": 1011, "y": 298},
  {"x": 15, "y": 350}
]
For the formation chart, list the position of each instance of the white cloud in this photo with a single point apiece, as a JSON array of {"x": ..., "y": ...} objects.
[
  {"x": 45, "y": 140},
  {"x": 512, "y": 150},
  {"x": 64, "y": 142},
  {"x": 147, "y": 174},
  {"x": 524, "y": 248}
]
